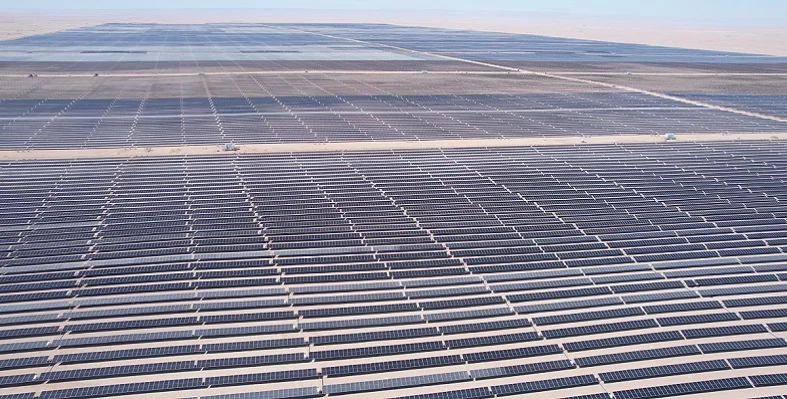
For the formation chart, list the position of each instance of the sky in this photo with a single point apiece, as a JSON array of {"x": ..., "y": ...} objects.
[{"x": 733, "y": 10}]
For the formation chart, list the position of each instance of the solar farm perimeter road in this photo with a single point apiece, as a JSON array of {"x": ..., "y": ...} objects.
[{"x": 123, "y": 152}]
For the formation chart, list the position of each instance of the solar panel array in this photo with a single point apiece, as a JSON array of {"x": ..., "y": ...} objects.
[
  {"x": 187, "y": 48},
  {"x": 495, "y": 271},
  {"x": 588, "y": 271},
  {"x": 108, "y": 112},
  {"x": 174, "y": 85}
]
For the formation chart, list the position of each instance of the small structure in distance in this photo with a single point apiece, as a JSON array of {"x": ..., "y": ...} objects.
[{"x": 230, "y": 147}]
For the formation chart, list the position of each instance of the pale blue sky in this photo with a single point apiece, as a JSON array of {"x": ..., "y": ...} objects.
[{"x": 683, "y": 9}]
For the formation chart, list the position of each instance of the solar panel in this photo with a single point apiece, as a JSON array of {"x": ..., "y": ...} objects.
[
  {"x": 123, "y": 389},
  {"x": 662, "y": 371},
  {"x": 697, "y": 319},
  {"x": 403, "y": 382},
  {"x": 382, "y": 367},
  {"x": 623, "y": 341},
  {"x": 769, "y": 380},
  {"x": 259, "y": 378},
  {"x": 544, "y": 385},
  {"x": 132, "y": 324},
  {"x": 724, "y": 331},
  {"x": 512, "y": 353},
  {"x": 29, "y": 395},
  {"x": 523, "y": 369},
  {"x": 473, "y": 393},
  {"x": 764, "y": 314},
  {"x": 123, "y": 371},
  {"x": 580, "y": 292},
  {"x": 17, "y": 380},
  {"x": 487, "y": 326},
  {"x": 716, "y": 347},
  {"x": 648, "y": 354},
  {"x": 591, "y": 396},
  {"x": 469, "y": 314},
  {"x": 662, "y": 296},
  {"x": 665, "y": 391},
  {"x": 758, "y": 361},
  {"x": 744, "y": 302},
  {"x": 23, "y": 362},
  {"x": 85, "y": 357},
  {"x": 492, "y": 340},
  {"x": 584, "y": 316},
  {"x": 252, "y": 361},
  {"x": 599, "y": 328},
  {"x": 377, "y": 350},
  {"x": 251, "y": 330},
  {"x": 375, "y": 336},
  {"x": 292, "y": 393},
  {"x": 355, "y": 323},
  {"x": 568, "y": 305},
  {"x": 641, "y": 287},
  {"x": 682, "y": 307}
]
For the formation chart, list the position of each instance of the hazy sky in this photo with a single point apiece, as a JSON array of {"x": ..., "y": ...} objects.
[{"x": 693, "y": 9}]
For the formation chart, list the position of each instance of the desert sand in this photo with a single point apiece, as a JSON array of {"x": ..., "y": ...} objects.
[
  {"x": 16, "y": 25},
  {"x": 129, "y": 152}
]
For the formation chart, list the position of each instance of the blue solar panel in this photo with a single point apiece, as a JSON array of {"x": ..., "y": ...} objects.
[
  {"x": 260, "y": 378},
  {"x": 724, "y": 331},
  {"x": 29, "y": 395},
  {"x": 697, "y": 319},
  {"x": 377, "y": 350},
  {"x": 662, "y": 371},
  {"x": 625, "y": 340},
  {"x": 599, "y": 328},
  {"x": 682, "y": 307},
  {"x": 731, "y": 346},
  {"x": 123, "y": 389},
  {"x": 522, "y": 369},
  {"x": 487, "y": 326},
  {"x": 769, "y": 380},
  {"x": 382, "y": 367},
  {"x": 116, "y": 371},
  {"x": 292, "y": 393},
  {"x": 473, "y": 393},
  {"x": 758, "y": 361},
  {"x": 764, "y": 314},
  {"x": 584, "y": 316},
  {"x": 374, "y": 336},
  {"x": 665, "y": 391},
  {"x": 403, "y": 382},
  {"x": 544, "y": 385},
  {"x": 512, "y": 353},
  {"x": 591, "y": 396},
  {"x": 661, "y": 353},
  {"x": 23, "y": 362},
  {"x": 492, "y": 340}
]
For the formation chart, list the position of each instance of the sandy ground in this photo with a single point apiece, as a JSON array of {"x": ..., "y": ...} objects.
[
  {"x": 16, "y": 25},
  {"x": 759, "y": 40},
  {"x": 739, "y": 38},
  {"x": 373, "y": 146}
]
